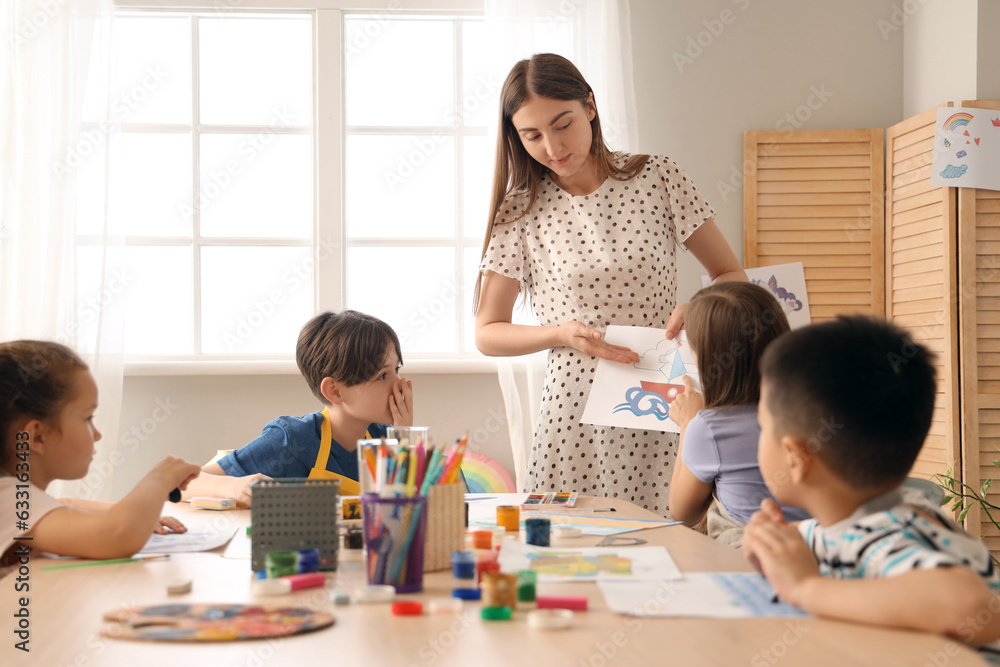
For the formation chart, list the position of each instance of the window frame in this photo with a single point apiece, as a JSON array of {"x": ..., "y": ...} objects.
[{"x": 329, "y": 210}]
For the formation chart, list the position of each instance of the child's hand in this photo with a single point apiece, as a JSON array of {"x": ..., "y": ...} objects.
[
  {"x": 686, "y": 404},
  {"x": 169, "y": 524},
  {"x": 238, "y": 488},
  {"x": 174, "y": 473},
  {"x": 778, "y": 551},
  {"x": 401, "y": 402},
  {"x": 769, "y": 512}
]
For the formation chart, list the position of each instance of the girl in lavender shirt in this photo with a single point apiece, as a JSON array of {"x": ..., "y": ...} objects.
[{"x": 728, "y": 326}]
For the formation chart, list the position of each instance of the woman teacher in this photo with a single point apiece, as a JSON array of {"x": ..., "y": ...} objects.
[{"x": 591, "y": 237}]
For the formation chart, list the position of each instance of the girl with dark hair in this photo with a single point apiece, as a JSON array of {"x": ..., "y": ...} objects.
[{"x": 47, "y": 402}]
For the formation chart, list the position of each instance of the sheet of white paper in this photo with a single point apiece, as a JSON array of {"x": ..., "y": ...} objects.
[
  {"x": 588, "y": 563},
  {"x": 701, "y": 594},
  {"x": 787, "y": 282},
  {"x": 175, "y": 543},
  {"x": 966, "y": 148},
  {"x": 239, "y": 547},
  {"x": 639, "y": 395}
]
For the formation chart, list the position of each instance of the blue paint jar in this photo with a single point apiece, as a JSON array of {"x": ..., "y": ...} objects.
[
  {"x": 536, "y": 530},
  {"x": 308, "y": 560},
  {"x": 463, "y": 564}
]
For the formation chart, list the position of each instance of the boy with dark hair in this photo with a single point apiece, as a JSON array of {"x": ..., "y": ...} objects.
[
  {"x": 351, "y": 363},
  {"x": 845, "y": 407}
]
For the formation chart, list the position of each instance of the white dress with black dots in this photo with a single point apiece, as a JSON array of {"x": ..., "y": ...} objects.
[{"x": 603, "y": 258}]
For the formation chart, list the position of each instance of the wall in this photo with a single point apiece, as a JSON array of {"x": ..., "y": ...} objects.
[
  {"x": 785, "y": 64},
  {"x": 708, "y": 71},
  {"x": 939, "y": 53},
  {"x": 193, "y": 416}
]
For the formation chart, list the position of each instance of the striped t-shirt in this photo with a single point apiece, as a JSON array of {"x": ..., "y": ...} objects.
[{"x": 887, "y": 537}]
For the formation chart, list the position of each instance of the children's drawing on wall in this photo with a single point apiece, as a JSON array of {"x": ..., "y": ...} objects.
[
  {"x": 787, "y": 282},
  {"x": 639, "y": 395},
  {"x": 966, "y": 148}
]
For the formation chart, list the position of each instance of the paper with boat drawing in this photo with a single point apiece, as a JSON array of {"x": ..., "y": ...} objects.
[{"x": 639, "y": 395}]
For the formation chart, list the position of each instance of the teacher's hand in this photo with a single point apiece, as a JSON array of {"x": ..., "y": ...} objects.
[
  {"x": 676, "y": 321},
  {"x": 589, "y": 341}
]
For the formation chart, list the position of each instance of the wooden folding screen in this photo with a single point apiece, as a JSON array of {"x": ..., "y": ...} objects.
[
  {"x": 979, "y": 345},
  {"x": 816, "y": 196},
  {"x": 932, "y": 265},
  {"x": 920, "y": 270}
]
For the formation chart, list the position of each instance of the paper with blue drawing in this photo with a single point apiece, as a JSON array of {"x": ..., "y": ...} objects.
[{"x": 639, "y": 395}]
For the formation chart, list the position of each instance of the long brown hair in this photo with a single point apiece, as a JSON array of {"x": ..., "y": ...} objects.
[
  {"x": 728, "y": 326},
  {"x": 552, "y": 76},
  {"x": 36, "y": 382}
]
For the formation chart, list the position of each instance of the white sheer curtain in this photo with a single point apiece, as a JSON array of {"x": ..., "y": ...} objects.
[
  {"x": 54, "y": 54},
  {"x": 595, "y": 35}
]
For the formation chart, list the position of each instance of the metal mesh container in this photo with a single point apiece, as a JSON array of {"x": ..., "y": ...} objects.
[{"x": 293, "y": 513}]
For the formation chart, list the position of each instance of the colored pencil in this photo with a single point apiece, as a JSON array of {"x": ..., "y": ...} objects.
[{"x": 111, "y": 561}]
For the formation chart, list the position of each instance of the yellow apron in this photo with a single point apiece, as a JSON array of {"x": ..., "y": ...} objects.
[{"x": 348, "y": 486}]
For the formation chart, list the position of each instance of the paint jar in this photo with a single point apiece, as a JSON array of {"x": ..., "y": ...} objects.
[
  {"x": 354, "y": 538},
  {"x": 526, "y": 586},
  {"x": 485, "y": 568},
  {"x": 482, "y": 539},
  {"x": 499, "y": 590},
  {"x": 463, "y": 564},
  {"x": 281, "y": 563},
  {"x": 536, "y": 530},
  {"x": 308, "y": 561},
  {"x": 509, "y": 518}
]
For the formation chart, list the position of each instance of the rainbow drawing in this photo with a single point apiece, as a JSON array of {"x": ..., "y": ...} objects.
[
  {"x": 959, "y": 119},
  {"x": 484, "y": 475}
]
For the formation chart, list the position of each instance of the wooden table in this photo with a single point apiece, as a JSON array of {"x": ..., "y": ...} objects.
[{"x": 66, "y": 609}]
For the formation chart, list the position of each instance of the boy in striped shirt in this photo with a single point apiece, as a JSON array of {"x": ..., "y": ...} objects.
[{"x": 845, "y": 408}]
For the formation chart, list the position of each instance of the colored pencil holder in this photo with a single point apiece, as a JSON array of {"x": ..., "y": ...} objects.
[
  {"x": 445, "y": 525},
  {"x": 395, "y": 529}
]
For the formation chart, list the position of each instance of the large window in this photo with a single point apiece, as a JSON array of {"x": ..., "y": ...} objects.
[{"x": 268, "y": 165}]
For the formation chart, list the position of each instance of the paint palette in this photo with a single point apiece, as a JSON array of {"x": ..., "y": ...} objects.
[{"x": 206, "y": 622}]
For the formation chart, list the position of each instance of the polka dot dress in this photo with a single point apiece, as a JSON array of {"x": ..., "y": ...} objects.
[{"x": 603, "y": 258}]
